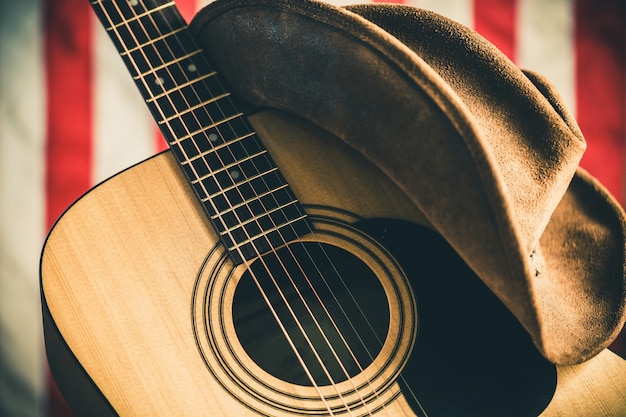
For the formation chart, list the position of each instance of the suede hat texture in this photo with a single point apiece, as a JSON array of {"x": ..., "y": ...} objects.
[{"x": 487, "y": 152}]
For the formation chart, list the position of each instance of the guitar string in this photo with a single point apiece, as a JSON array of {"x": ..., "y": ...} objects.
[
  {"x": 313, "y": 289},
  {"x": 292, "y": 344},
  {"x": 295, "y": 286},
  {"x": 306, "y": 306},
  {"x": 332, "y": 321}
]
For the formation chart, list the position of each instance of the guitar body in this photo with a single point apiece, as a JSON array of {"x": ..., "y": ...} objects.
[
  {"x": 121, "y": 267},
  {"x": 145, "y": 315},
  {"x": 276, "y": 274}
]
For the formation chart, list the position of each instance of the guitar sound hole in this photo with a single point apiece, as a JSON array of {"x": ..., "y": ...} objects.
[{"x": 330, "y": 306}]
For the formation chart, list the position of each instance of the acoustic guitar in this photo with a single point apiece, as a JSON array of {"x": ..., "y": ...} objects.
[{"x": 216, "y": 280}]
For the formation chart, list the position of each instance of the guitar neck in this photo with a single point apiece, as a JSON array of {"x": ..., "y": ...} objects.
[{"x": 240, "y": 188}]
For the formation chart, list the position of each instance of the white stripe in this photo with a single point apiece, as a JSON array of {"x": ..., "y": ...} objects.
[
  {"x": 21, "y": 207},
  {"x": 546, "y": 43},
  {"x": 460, "y": 11},
  {"x": 124, "y": 131},
  {"x": 202, "y": 3}
]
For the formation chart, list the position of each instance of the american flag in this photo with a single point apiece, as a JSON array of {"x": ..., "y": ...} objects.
[{"x": 71, "y": 117}]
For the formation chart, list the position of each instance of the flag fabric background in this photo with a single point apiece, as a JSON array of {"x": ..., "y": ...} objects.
[{"x": 71, "y": 117}]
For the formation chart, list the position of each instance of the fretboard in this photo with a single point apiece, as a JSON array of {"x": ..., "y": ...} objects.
[{"x": 240, "y": 188}]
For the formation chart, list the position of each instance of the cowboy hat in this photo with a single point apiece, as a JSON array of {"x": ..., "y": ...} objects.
[{"x": 487, "y": 152}]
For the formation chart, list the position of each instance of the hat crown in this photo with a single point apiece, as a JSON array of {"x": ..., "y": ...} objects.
[{"x": 485, "y": 151}]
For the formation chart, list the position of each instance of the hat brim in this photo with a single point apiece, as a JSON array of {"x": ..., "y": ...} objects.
[{"x": 486, "y": 152}]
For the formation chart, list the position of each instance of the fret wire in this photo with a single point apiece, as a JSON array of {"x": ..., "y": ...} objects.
[
  {"x": 154, "y": 97},
  {"x": 127, "y": 53},
  {"x": 256, "y": 217},
  {"x": 203, "y": 130},
  {"x": 176, "y": 130},
  {"x": 276, "y": 228},
  {"x": 224, "y": 168},
  {"x": 165, "y": 121},
  {"x": 186, "y": 96},
  {"x": 166, "y": 93},
  {"x": 160, "y": 67},
  {"x": 196, "y": 107},
  {"x": 245, "y": 202},
  {"x": 223, "y": 192},
  {"x": 137, "y": 17},
  {"x": 258, "y": 186},
  {"x": 177, "y": 141},
  {"x": 214, "y": 172},
  {"x": 199, "y": 123},
  {"x": 142, "y": 46},
  {"x": 234, "y": 186},
  {"x": 215, "y": 148},
  {"x": 178, "y": 88},
  {"x": 267, "y": 234}
]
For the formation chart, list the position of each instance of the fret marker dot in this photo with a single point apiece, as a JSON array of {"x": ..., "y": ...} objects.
[
  {"x": 234, "y": 174},
  {"x": 159, "y": 81},
  {"x": 133, "y": 2},
  {"x": 213, "y": 137},
  {"x": 191, "y": 68}
]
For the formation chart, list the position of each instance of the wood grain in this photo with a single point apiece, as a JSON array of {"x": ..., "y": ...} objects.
[{"x": 119, "y": 268}]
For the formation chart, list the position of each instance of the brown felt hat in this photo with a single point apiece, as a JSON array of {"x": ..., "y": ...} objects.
[{"x": 487, "y": 153}]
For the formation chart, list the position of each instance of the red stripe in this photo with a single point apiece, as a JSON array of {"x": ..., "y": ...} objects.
[
  {"x": 187, "y": 8},
  {"x": 601, "y": 100},
  {"x": 600, "y": 36},
  {"x": 55, "y": 404},
  {"x": 68, "y": 60},
  {"x": 68, "y": 44},
  {"x": 496, "y": 21}
]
